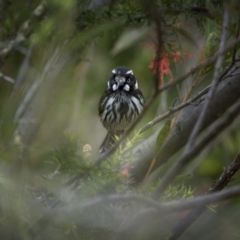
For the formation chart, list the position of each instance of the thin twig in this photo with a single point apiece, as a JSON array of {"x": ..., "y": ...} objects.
[
  {"x": 218, "y": 185},
  {"x": 17, "y": 84},
  {"x": 7, "y": 78},
  {"x": 21, "y": 76},
  {"x": 214, "y": 84},
  {"x": 163, "y": 208},
  {"x": 232, "y": 75},
  {"x": 23, "y": 33},
  {"x": 34, "y": 87},
  {"x": 201, "y": 65},
  {"x": 214, "y": 130},
  {"x": 180, "y": 106},
  {"x": 234, "y": 51},
  {"x": 202, "y": 200},
  {"x": 173, "y": 110}
]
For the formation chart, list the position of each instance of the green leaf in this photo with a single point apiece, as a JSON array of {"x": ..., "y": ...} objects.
[
  {"x": 160, "y": 140},
  {"x": 163, "y": 134},
  {"x": 212, "y": 36},
  {"x": 212, "y": 44}
]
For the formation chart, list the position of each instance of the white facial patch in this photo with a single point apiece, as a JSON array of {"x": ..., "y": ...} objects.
[
  {"x": 113, "y": 71},
  {"x": 114, "y": 87},
  {"x": 108, "y": 84},
  {"x": 129, "y": 72},
  {"x": 126, "y": 87}
]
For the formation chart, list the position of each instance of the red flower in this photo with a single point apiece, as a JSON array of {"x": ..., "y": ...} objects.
[
  {"x": 164, "y": 63},
  {"x": 164, "y": 67},
  {"x": 124, "y": 171}
]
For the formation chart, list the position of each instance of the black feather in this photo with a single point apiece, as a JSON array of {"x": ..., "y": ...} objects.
[{"x": 119, "y": 105}]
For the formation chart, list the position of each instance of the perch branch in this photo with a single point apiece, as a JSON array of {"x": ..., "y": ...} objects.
[
  {"x": 214, "y": 130},
  {"x": 218, "y": 185},
  {"x": 163, "y": 208}
]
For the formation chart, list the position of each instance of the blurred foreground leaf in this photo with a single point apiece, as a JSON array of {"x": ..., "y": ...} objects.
[{"x": 129, "y": 38}]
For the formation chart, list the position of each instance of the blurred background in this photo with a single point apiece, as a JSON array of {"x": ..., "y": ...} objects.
[
  {"x": 56, "y": 58},
  {"x": 75, "y": 59}
]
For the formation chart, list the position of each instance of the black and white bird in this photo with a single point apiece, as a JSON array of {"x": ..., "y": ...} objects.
[{"x": 120, "y": 104}]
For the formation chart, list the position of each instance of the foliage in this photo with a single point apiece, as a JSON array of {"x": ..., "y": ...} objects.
[{"x": 56, "y": 57}]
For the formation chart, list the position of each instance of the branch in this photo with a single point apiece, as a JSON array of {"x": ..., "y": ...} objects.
[
  {"x": 218, "y": 185},
  {"x": 146, "y": 217},
  {"x": 234, "y": 51},
  {"x": 214, "y": 84},
  {"x": 214, "y": 130},
  {"x": 228, "y": 92},
  {"x": 186, "y": 204},
  {"x": 23, "y": 33},
  {"x": 190, "y": 101},
  {"x": 163, "y": 208},
  {"x": 173, "y": 110},
  {"x": 203, "y": 64},
  {"x": 7, "y": 78}
]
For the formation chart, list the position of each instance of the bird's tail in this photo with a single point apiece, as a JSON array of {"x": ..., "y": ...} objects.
[{"x": 109, "y": 141}]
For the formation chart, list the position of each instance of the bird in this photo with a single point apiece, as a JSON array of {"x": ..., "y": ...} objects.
[{"x": 120, "y": 104}]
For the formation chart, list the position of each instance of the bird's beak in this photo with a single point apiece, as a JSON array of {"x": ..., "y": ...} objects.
[{"x": 120, "y": 81}]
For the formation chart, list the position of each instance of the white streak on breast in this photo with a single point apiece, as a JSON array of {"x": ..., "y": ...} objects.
[
  {"x": 109, "y": 103},
  {"x": 137, "y": 103}
]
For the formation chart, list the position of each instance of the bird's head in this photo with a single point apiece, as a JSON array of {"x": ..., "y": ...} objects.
[{"x": 122, "y": 79}]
